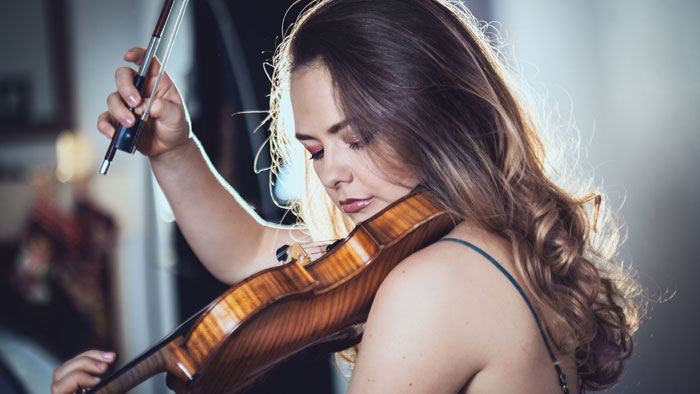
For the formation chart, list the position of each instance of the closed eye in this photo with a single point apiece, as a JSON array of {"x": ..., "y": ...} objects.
[
  {"x": 317, "y": 155},
  {"x": 355, "y": 144},
  {"x": 316, "y": 151}
]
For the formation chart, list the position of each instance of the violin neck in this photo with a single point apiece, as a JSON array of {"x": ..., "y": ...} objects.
[
  {"x": 166, "y": 356},
  {"x": 137, "y": 371}
]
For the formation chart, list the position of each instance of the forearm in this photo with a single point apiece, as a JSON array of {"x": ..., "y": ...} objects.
[{"x": 228, "y": 237}]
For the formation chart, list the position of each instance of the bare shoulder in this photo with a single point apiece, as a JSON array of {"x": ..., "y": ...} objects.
[
  {"x": 447, "y": 320},
  {"x": 431, "y": 314}
]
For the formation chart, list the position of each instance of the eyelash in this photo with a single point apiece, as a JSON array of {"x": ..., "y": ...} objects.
[{"x": 353, "y": 145}]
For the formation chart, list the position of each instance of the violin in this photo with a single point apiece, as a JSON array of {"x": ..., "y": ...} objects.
[{"x": 302, "y": 304}]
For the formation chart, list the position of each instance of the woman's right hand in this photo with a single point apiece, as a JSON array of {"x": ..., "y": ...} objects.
[
  {"x": 168, "y": 126},
  {"x": 81, "y": 371}
]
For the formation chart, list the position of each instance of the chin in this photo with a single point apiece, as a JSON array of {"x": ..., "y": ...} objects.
[
  {"x": 357, "y": 218},
  {"x": 361, "y": 216}
]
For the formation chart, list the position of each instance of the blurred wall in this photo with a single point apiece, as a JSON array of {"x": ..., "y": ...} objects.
[
  {"x": 34, "y": 63},
  {"x": 630, "y": 71}
]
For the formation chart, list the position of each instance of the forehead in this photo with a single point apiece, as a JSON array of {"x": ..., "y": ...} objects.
[{"x": 313, "y": 98}]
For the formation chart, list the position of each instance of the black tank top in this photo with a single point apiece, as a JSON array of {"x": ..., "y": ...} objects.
[{"x": 560, "y": 373}]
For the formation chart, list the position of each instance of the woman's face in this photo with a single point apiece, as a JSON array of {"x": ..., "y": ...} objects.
[{"x": 353, "y": 182}]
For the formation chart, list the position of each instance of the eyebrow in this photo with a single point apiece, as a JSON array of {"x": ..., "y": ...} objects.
[{"x": 331, "y": 130}]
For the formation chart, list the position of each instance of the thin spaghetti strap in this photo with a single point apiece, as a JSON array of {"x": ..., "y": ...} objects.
[{"x": 561, "y": 374}]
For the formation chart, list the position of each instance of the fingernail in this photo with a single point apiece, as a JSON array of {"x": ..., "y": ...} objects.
[
  {"x": 108, "y": 355},
  {"x": 132, "y": 100},
  {"x": 110, "y": 130},
  {"x": 128, "y": 120},
  {"x": 101, "y": 365},
  {"x": 96, "y": 379}
]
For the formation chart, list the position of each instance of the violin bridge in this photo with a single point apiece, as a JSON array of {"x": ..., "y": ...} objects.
[{"x": 296, "y": 252}]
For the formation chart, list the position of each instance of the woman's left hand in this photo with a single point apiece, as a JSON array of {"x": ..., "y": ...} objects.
[{"x": 81, "y": 371}]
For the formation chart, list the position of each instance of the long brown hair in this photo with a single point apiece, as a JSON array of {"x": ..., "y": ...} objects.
[{"x": 420, "y": 79}]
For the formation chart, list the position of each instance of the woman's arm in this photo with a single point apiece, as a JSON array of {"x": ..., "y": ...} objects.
[{"x": 225, "y": 233}]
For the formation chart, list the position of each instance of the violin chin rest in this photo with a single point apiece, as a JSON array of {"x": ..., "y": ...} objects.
[{"x": 341, "y": 340}]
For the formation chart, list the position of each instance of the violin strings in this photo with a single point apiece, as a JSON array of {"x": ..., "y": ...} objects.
[
  {"x": 316, "y": 243},
  {"x": 320, "y": 245}
]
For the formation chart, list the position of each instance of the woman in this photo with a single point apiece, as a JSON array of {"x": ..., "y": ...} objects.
[{"x": 388, "y": 95}]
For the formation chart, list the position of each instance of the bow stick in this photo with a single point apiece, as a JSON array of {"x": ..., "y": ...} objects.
[{"x": 126, "y": 138}]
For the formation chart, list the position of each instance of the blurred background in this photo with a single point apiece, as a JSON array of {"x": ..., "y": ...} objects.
[{"x": 97, "y": 261}]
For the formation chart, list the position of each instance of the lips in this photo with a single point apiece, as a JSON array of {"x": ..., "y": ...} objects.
[{"x": 353, "y": 205}]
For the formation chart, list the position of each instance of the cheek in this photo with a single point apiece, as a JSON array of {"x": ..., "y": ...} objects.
[
  {"x": 394, "y": 183},
  {"x": 383, "y": 173}
]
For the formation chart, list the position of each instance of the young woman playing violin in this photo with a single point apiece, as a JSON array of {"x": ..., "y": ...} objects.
[{"x": 523, "y": 295}]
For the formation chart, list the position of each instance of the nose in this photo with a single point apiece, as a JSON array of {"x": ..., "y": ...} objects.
[{"x": 334, "y": 169}]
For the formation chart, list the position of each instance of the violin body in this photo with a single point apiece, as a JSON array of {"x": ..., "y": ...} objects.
[{"x": 269, "y": 317}]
